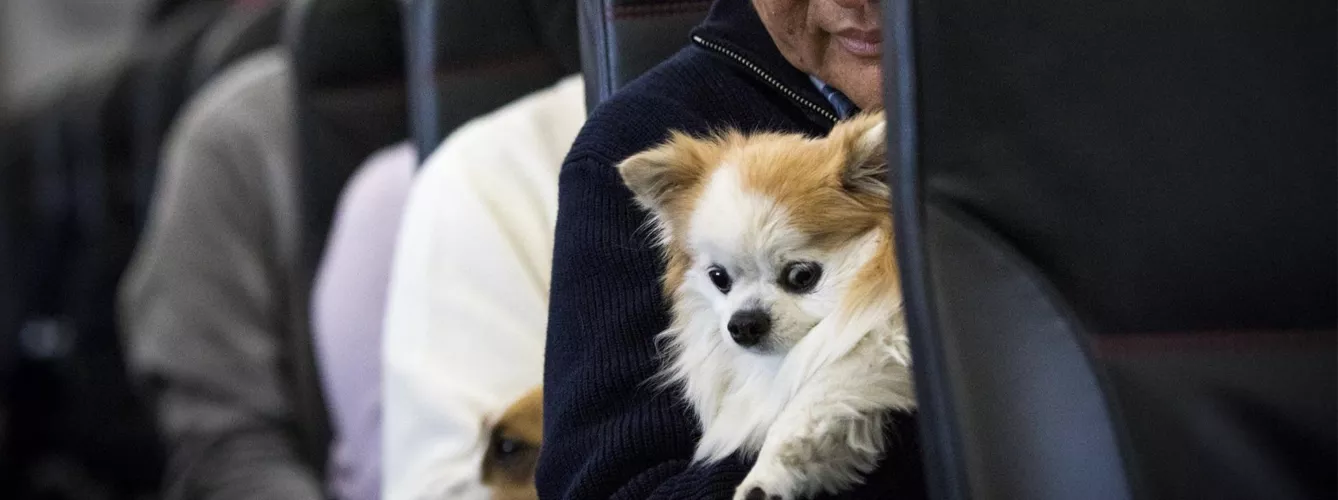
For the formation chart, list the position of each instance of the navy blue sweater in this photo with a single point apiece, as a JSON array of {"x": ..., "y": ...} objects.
[{"x": 606, "y": 433}]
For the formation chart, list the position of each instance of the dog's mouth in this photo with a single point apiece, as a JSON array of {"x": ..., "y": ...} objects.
[
  {"x": 769, "y": 346},
  {"x": 765, "y": 348}
]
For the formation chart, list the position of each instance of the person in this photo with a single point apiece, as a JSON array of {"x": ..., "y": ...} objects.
[
  {"x": 468, "y": 300},
  {"x": 792, "y": 66},
  {"x": 348, "y": 302},
  {"x": 210, "y": 297}
]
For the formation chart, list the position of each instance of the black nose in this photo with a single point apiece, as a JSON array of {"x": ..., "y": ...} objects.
[{"x": 748, "y": 327}]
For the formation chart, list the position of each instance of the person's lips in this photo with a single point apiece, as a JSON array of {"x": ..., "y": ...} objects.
[{"x": 862, "y": 43}]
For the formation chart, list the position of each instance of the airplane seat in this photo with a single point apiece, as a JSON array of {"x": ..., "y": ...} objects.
[
  {"x": 69, "y": 224},
  {"x": 1116, "y": 230},
  {"x": 160, "y": 85},
  {"x": 466, "y": 58},
  {"x": 621, "y": 39},
  {"x": 245, "y": 28},
  {"x": 13, "y": 155},
  {"x": 350, "y": 97},
  {"x": 353, "y": 98},
  {"x": 15, "y": 159}
]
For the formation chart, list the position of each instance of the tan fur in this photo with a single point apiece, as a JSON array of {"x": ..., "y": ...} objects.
[
  {"x": 832, "y": 213},
  {"x": 807, "y": 176},
  {"x": 512, "y": 477},
  {"x": 691, "y": 160}
]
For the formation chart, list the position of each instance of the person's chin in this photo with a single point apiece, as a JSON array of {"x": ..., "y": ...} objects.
[{"x": 859, "y": 78}]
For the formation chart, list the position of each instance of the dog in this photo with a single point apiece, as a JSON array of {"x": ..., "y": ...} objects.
[
  {"x": 513, "y": 450},
  {"x": 787, "y": 337}
]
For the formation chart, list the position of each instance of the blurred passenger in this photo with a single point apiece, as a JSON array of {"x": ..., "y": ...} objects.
[
  {"x": 469, "y": 293},
  {"x": 792, "y": 66},
  {"x": 209, "y": 301},
  {"x": 348, "y": 307}
]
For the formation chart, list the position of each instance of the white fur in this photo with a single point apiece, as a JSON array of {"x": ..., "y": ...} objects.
[{"x": 809, "y": 404}]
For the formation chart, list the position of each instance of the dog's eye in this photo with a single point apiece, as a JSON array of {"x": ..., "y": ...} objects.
[
  {"x": 800, "y": 277},
  {"x": 509, "y": 459},
  {"x": 719, "y": 278},
  {"x": 505, "y": 447}
]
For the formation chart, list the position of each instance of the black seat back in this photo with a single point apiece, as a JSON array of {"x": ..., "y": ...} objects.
[
  {"x": 621, "y": 39},
  {"x": 468, "y": 57},
  {"x": 160, "y": 84},
  {"x": 75, "y": 427},
  {"x": 351, "y": 100},
  {"x": 348, "y": 66},
  {"x": 245, "y": 28},
  {"x": 1116, "y": 226},
  {"x": 15, "y": 154}
]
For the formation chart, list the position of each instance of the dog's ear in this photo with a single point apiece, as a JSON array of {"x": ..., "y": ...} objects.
[
  {"x": 660, "y": 175},
  {"x": 864, "y": 138}
]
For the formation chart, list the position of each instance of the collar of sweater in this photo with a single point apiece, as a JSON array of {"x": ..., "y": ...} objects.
[{"x": 735, "y": 26}]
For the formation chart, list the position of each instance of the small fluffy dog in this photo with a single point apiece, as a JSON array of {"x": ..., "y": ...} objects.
[
  {"x": 787, "y": 335},
  {"x": 513, "y": 449}
]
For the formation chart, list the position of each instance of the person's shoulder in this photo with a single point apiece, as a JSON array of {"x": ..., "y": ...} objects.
[
  {"x": 253, "y": 82},
  {"x": 251, "y": 98},
  {"x": 693, "y": 91},
  {"x": 696, "y": 91},
  {"x": 234, "y": 138}
]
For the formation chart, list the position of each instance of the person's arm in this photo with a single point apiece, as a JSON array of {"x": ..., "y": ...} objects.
[{"x": 202, "y": 309}]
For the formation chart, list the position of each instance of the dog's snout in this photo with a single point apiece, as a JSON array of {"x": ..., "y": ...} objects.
[{"x": 748, "y": 327}]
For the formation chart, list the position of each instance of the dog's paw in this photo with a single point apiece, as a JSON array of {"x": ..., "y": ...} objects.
[{"x": 759, "y": 485}]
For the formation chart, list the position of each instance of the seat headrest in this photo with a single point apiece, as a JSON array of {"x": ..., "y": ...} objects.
[
  {"x": 348, "y": 71},
  {"x": 621, "y": 39},
  {"x": 1168, "y": 168},
  {"x": 245, "y": 28},
  {"x": 348, "y": 76},
  {"x": 342, "y": 43},
  {"x": 468, "y": 57}
]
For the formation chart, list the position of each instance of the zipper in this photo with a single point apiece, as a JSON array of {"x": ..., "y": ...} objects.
[{"x": 766, "y": 77}]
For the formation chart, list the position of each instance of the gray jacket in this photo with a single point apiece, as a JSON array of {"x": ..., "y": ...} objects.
[{"x": 210, "y": 298}]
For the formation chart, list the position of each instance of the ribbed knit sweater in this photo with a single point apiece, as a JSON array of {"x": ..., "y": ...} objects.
[{"x": 608, "y": 433}]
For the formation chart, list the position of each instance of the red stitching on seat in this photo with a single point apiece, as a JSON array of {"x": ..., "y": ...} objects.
[
  {"x": 650, "y": 10},
  {"x": 1121, "y": 345}
]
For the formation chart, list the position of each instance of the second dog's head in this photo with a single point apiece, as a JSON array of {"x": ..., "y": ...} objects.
[{"x": 764, "y": 234}]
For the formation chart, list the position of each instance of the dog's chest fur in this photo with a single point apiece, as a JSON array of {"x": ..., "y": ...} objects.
[{"x": 737, "y": 396}]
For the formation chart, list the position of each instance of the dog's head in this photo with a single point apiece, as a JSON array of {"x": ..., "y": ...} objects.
[
  {"x": 513, "y": 450},
  {"x": 765, "y": 232}
]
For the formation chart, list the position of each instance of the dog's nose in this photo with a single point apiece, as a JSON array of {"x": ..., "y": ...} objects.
[{"x": 748, "y": 327}]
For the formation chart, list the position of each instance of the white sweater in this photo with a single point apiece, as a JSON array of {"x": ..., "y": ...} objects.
[{"x": 468, "y": 300}]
